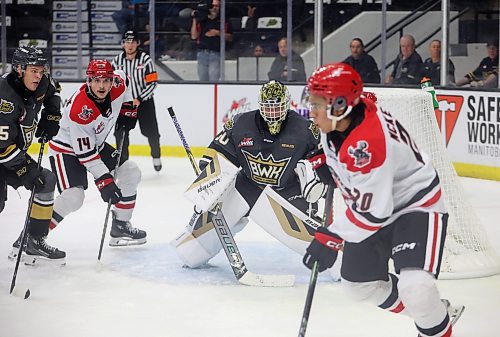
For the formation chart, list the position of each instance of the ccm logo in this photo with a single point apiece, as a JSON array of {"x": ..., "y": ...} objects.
[
  {"x": 334, "y": 244},
  {"x": 403, "y": 246}
]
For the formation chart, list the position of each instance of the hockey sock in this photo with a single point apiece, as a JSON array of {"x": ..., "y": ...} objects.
[
  {"x": 40, "y": 215},
  {"x": 124, "y": 208},
  {"x": 56, "y": 219},
  {"x": 393, "y": 302},
  {"x": 419, "y": 292}
]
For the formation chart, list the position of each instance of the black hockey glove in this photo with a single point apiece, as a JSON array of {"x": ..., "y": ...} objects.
[
  {"x": 30, "y": 174},
  {"x": 127, "y": 118},
  {"x": 109, "y": 191},
  {"x": 48, "y": 126},
  {"x": 323, "y": 249}
]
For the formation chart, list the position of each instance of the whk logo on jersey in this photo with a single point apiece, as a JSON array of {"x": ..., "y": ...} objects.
[
  {"x": 85, "y": 114},
  {"x": 266, "y": 170},
  {"x": 360, "y": 154}
]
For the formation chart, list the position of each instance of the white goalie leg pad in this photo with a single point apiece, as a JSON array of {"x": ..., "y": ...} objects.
[
  {"x": 419, "y": 293},
  {"x": 197, "y": 247},
  {"x": 70, "y": 200},
  {"x": 128, "y": 176},
  {"x": 283, "y": 221}
]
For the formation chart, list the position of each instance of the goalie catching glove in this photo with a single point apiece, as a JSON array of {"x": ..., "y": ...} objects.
[
  {"x": 323, "y": 249},
  {"x": 310, "y": 185}
]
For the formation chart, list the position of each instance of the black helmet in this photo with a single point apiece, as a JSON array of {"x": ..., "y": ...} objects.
[
  {"x": 30, "y": 55},
  {"x": 130, "y": 36}
]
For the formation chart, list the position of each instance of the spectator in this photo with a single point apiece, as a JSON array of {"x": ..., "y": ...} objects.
[
  {"x": 408, "y": 65},
  {"x": 258, "y": 51},
  {"x": 363, "y": 63},
  {"x": 486, "y": 74},
  {"x": 205, "y": 29},
  {"x": 279, "y": 70},
  {"x": 432, "y": 65},
  {"x": 124, "y": 18}
]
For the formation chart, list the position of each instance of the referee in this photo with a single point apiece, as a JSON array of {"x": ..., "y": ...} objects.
[{"x": 140, "y": 69}]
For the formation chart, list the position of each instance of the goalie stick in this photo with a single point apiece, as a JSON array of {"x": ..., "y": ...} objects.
[{"x": 242, "y": 274}]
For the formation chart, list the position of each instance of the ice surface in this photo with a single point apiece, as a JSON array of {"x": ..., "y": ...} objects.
[{"x": 144, "y": 291}]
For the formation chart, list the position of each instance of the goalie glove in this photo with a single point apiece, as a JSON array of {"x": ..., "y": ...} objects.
[
  {"x": 323, "y": 249},
  {"x": 311, "y": 187}
]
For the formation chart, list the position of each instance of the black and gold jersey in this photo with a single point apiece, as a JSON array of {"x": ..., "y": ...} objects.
[{"x": 264, "y": 158}]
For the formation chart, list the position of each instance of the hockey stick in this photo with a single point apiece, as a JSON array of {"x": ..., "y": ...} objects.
[
  {"x": 25, "y": 293},
  {"x": 242, "y": 274},
  {"x": 314, "y": 270},
  {"x": 119, "y": 149}
]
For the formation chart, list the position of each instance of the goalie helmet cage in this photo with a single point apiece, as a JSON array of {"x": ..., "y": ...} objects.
[{"x": 467, "y": 253}]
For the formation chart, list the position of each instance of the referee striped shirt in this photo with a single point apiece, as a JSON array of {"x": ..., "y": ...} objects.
[{"x": 142, "y": 74}]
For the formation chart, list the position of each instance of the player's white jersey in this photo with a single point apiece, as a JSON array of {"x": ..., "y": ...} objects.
[
  {"x": 381, "y": 174},
  {"x": 85, "y": 124}
]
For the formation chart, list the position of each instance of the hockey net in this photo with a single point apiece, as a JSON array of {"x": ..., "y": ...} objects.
[{"x": 467, "y": 253}]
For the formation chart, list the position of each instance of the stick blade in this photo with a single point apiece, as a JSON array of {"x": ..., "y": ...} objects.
[{"x": 257, "y": 280}]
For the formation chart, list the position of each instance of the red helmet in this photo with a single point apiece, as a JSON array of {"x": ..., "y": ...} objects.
[
  {"x": 99, "y": 68},
  {"x": 337, "y": 82}
]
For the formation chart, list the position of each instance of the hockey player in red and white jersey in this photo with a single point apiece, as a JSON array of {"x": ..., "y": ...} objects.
[
  {"x": 90, "y": 115},
  {"x": 395, "y": 209}
]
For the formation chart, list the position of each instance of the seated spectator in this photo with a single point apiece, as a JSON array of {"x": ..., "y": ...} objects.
[
  {"x": 279, "y": 69},
  {"x": 258, "y": 51},
  {"x": 486, "y": 74},
  {"x": 408, "y": 65},
  {"x": 124, "y": 18},
  {"x": 363, "y": 63},
  {"x": 432, "y": 65}
]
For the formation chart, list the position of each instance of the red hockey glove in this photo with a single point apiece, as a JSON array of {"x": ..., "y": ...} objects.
[
  {"x": 322, "y": 249},
  {"x": 109, "y": 191}
]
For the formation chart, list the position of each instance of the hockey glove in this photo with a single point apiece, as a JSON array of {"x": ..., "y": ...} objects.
[
  {"x": 109, "y": 191},
  {"x": 48, "y": 126},
  {"x": 311, "y": 187},
  {"x": 127, "y": 118},
  {"x": 323, "y": 249},
  {"x": 30, "y": 174}
]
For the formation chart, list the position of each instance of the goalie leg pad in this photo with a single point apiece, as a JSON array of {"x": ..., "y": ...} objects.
[{"x": 207, "y": 245}]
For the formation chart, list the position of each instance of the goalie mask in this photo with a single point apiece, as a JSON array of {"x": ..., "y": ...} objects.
[
  {"x": 274, "y": 102},
  {"x": 341, "y": 85}
]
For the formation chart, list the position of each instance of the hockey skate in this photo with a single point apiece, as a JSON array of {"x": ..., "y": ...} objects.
[
  {"x": 39, "y": 252},
  {"x": 15, "y": 249},
  {"x": 123, "y": 234},
  {"x": 454, "y": 311}
]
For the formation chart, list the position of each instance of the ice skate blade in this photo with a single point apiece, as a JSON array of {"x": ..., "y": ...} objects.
[
  {"x": 35, "y": 260},
  {"x": 119, "y": 242}
]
